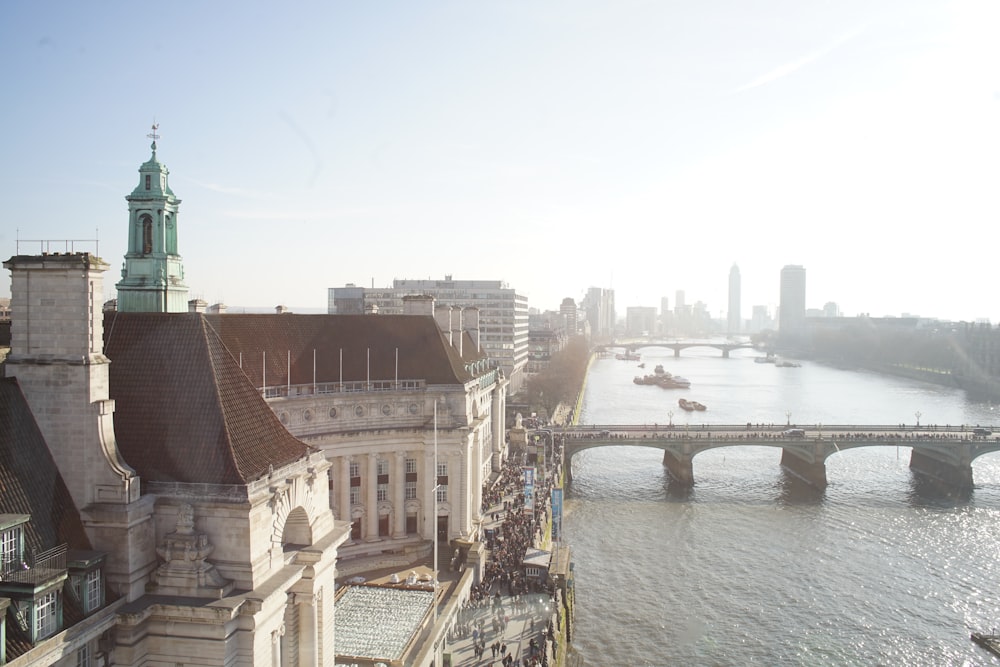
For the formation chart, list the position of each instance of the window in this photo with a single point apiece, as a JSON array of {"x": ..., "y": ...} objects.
[
  {"x": 411, "y": 466},
  {"x": 147, "y": 235},
  {"x": 149, "y": 180},
  {"x": 355, "y": 470},
  {"x": 93, "y": 591},
  {"x": 442, "y": 493},
  {"x": 382, "y": 492},
  {"x": 382, "y": 467},
  {"x": 355, "y": 495},
  {"x": 411, "y": 490},
  {"x": 442, "y": 470},
  {"x": 88, "y": 590},
  {"x": 46, "y": 615},
  {"x": 83, "y": 656},
  {"x": 10, "y": 547}
]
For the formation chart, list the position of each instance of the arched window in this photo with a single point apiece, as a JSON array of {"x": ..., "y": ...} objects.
[{"x": 147, "y": 235}]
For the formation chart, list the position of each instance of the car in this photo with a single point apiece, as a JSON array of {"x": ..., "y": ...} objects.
[
  {"x": 794, "y": 433},
  {"x": 981, "y": 431}
]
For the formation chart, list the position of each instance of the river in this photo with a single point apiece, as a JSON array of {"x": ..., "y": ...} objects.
[{"x": 750, "y": 567}]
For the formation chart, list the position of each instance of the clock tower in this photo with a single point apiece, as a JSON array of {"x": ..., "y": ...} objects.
[{"x": 153, "y": 273}]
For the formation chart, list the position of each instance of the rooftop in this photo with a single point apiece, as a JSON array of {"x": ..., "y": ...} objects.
[{"x": 375, "y": 622}]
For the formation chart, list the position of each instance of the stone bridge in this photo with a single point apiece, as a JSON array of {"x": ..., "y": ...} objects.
[
  {"x": 677, "y": 346},
  {"x": 943, "y": 454}
]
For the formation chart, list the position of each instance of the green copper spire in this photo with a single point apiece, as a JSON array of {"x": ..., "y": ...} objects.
[{"x": 153, "y": 274}]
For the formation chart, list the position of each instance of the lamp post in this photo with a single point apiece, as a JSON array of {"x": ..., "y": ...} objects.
[
  {"x": 917, "y": 415},
  {"x": 670, "y": 416},
  {"x": 788, "y": 416}
]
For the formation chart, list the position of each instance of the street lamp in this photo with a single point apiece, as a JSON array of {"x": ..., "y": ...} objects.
[
  {"x": 788, "y": 416},
  {"x": 670, "y": 416},
  {"x": 917, "y": 415}
]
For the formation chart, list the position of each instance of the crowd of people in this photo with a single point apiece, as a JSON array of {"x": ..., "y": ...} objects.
[{"x": 501, "y": 594}]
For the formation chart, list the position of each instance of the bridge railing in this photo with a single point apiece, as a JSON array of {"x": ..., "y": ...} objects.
[{"x": 831, "y": 429}]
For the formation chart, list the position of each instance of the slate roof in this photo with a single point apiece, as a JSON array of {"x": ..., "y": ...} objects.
[
  {"x": 30, "y": 482},
  {"x": 368, "y": 345},
  {"x": 184, "y": 410}
]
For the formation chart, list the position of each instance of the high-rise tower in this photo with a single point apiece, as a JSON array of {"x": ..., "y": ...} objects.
[
  {"x": 792, "y": 313},
  {"x": 734, "y": 320},
  {"x": 153, "y": 274}
]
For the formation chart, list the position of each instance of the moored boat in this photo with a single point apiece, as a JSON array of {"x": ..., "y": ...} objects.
[{"x": 686, "y": 404}]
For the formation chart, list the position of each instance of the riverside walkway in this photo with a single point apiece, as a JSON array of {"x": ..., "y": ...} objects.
[
  {"x": 943, "y": 453},
  {"x": 507, "y": 629}
]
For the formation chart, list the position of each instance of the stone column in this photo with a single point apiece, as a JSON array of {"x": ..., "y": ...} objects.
[
  {"x": 308, "y": 629},
  {"x": 345, "y": 488},
  {"x": 399, "y": 496},
  {"x": 371, "y": 504},
  {"x": 276, "y": 636}
]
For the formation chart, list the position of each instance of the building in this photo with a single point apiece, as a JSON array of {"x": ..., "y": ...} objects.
[
  {"x": 599, "y": 304},
  {"x": 208, "y": 470},
  {"x": 666, "y": 317},
  {"x": 503, "y": 313},
  {"x": 640, "y": 321},
  {"x": 569, "y": 312},
  {"x": 760, "y": 319},
  {"x": 153, "y": 275},
  {"x": 547, "y": 335},
  {"x": 734, "y": 322},
  {"x": 792, "y": 308}
]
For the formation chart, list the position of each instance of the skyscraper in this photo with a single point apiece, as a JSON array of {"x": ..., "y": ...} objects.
[
  {"x": 792, "y": 313},
  {"x": 735, "y": 324}
]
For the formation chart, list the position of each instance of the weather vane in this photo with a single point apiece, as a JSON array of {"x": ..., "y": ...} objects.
[{"x": 153, "y": 135}]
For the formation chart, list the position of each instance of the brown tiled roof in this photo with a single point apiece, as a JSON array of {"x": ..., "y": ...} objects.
[
  {"x": 30, "y": 482},
  {"x": 367, "y": 344},
  {"x": 184, "y": 410}
]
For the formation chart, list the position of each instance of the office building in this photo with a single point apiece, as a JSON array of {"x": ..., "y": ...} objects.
[
  {"x": 502, "y": 318},
  {"x": 792, "y": 309},
  {"x": 734, "y": 322}
]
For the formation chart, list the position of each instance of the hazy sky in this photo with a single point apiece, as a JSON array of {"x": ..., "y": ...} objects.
[{"x": 642, "y": 146}]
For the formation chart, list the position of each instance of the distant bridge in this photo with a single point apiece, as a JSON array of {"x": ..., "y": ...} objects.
[
  {"x": 944, "y": 454},
  {"x": 677, "y": 346}
]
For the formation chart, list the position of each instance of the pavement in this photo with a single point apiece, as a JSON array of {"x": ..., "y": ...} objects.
[{"x": 530, "y": 621}]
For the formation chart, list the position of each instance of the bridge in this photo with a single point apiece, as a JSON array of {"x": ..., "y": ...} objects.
[
  {"x": 944, "y": 454},
  {"x": 677, "y": 346}
]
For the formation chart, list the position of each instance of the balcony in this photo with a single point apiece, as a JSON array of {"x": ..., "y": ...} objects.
[{"x": 33, "y": 572}]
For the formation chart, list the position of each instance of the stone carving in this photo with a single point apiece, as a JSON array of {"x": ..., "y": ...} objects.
[{"x": 185, "y": 569}]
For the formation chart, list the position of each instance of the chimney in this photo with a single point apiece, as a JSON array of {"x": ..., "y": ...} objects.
[
  {"x": 456, "y": 329},
  {"x": 442, "y": 315},
  {"x": 281, "y": 310},
  {"x": 197, "y": 305},
  {"x": 471, "y": 320},
  {"x": 218, "y": 308},
  {"x": 418, "y": 304}
]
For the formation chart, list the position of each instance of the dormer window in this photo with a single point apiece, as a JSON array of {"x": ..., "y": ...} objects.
[
  {"x": 87, "y": 579},
  {"x": 12, "y": 541}
]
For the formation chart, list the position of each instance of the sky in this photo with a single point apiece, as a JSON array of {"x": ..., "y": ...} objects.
[{"x": 642, "y": 146}]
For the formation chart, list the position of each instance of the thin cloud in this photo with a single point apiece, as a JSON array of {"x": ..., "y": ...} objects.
[{"x": 788, "y": 68}]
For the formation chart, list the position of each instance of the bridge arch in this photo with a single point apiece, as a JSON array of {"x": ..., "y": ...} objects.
[{"x": 946, "y": 458}]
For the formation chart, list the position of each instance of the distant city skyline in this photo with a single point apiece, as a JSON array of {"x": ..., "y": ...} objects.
[{"x": 638, "y": 147}]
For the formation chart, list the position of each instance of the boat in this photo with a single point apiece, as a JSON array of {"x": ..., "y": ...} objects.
[
  {"x": 787, "y": 364},
  {"x": 989, "y": 642},
  {"x": 662, "y": 378},
  {"x": 686, "y": 404},
  {"x": 763, "y": 360},
  {"x": 643, "y": 365},
  {"x": 627, "y": 356},
  {"x": 701, "y": 407}
]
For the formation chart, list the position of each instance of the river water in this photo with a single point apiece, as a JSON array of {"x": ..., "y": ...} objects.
[{"x": 750, "y": 566}]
